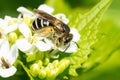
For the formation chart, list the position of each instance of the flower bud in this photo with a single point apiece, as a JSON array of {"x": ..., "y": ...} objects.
[
  {"x": 63, "y": 64},
  {"x": 39, "y": 62},
  {"x": 46, "y": 61},
  {"x": 42, "y": 74},
  {"x": 34, "y": 69},
  {"x": 12, "y": 37},
  {"x": 55, "y": 63}
]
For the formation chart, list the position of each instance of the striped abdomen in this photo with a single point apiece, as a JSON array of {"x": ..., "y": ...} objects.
[{"x": 40, "y": 23}]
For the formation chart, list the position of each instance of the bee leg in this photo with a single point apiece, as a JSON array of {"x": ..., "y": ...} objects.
[
  {"x": 51, "y": 50},
  {"x": 53, "y": 53},
  {"x": 67, "y": 47}
]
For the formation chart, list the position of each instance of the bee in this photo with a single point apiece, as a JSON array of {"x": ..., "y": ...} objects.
[{"x": 47, "y": 25}]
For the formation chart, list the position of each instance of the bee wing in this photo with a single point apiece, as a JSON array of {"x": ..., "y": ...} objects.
[
  {"x": 57, "y": 24},
  {"x": 45, "y": 15},
  {"x": 45, "y": 32}
]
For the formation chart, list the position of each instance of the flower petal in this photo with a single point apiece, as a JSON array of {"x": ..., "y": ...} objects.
[
  {"x": 2, "y": 23},
  {"x": 49, "y": 42},
  {"x": 23, "y": 45},
  {"x": 7, "y": 72},
  {"x": 4, "y": 28},
  {"x": 11, "y": 28},
  {"x": 1, "y": 41},
  {"x": 4, "y": 48},
  {"x": 24, "y": 29},
  {"x": 71, "y": 48},
  {"x": 46, "y": 8},
  {"x": 62, "y": 17},
  {"x": 76, "y": 35},
  {"x": 42, "y": 46},
  {"x": 13, "y": 54},
  {"x": 23, "y": 10},
  {"x": 9, "y": 18}
]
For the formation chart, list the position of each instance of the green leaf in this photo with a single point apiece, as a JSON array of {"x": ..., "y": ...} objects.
[
  {"x": 88, "y": 28},
  {"x": 107, "y": 45},
  {"x": 108, "y": 41}
]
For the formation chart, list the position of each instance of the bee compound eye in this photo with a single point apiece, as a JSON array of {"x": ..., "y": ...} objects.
[
  {"x": 59, "y": 39},
  {"x": 68, "y": 38}
]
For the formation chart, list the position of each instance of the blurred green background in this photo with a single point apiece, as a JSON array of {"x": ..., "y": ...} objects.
[{"x": 109, "y": 70}]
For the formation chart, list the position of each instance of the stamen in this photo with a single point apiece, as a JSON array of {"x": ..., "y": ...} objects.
[
  {"x": 0, "y": 35},
  {"x": 4, "y": 63}
]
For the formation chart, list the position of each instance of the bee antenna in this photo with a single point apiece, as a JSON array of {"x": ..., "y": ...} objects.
[{"x": 76, "y": 44}]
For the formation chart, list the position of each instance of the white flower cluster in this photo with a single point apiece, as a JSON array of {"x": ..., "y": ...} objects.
[
  {"x": 16, "y": 33},
  {"x": 8, "y": 52}
]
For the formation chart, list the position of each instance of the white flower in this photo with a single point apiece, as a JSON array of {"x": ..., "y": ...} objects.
[
  {"x": 76, "y": 35},
  {"x": 46, "y": 8},
  {"x": 23, "y": 43},
  {"x": 26, "y": 15},
  {"x": 25, "y": 11},
  {"x": 42, "y": 46},
  {"x": 7, "y": 25},
  {"x": 62, "y": 17},
  {"x": 29, "y": 42},
  {"x": 7, "y": 58}
]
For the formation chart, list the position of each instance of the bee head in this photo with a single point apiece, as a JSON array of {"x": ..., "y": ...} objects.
[{"x": 67, "y": 38}]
